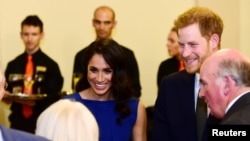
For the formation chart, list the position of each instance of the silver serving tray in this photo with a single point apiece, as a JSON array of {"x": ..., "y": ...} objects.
[{"x": 23, "y": 96}]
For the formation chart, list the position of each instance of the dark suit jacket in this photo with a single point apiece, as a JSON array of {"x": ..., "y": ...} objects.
[
  {"x": 133, "y": 69},
  {"x": 167, "y": 67},
  {"x": 16, "y": 135},
  {"x": 239, "y": 113},
  {"x": 174, "y": 117},
  {"x": 211, "y": 122}
]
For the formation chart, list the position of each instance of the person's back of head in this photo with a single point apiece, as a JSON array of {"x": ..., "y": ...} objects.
[{"x": 67, "y": 120}]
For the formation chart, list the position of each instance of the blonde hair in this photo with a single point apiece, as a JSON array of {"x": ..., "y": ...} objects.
[{"x": 67, "y": 120}]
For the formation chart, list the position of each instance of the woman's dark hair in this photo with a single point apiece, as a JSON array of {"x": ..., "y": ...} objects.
[{"x": 114, "y": 57}]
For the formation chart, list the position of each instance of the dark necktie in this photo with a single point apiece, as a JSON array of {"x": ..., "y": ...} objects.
[
  {"x": 28, "y": 82},
  {"x": 201, "y": 116}
]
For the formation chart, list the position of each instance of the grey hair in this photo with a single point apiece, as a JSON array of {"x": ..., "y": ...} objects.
[{"x": 239, "y": 71}]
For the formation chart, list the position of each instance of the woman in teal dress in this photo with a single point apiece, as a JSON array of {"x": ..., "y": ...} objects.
[{"x": 106, "y": 91}]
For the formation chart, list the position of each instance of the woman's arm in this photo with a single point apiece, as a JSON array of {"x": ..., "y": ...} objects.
[{"x": 140, "y": 127}]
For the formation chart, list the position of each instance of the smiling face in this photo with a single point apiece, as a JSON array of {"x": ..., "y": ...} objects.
[
  {"x": 99, "y": 75},
  {"x": 194, "y": 48}
]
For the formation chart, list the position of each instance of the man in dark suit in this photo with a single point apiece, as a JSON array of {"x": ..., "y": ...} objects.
[
  {"x": 104, "y": 22},
  {"x": 166, "y": 67},
  {"x": 225, "y": 85},
  {"x": 7, "y": 134},
  {"x": 199, "y": 33}
]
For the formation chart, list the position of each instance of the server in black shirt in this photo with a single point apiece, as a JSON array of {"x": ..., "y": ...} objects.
[{"x": 45, "y": 78}]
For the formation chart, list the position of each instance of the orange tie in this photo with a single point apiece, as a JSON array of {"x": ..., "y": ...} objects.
[
  {"x": 182, "y": 67},
  {"x": 27, "y": 110}
]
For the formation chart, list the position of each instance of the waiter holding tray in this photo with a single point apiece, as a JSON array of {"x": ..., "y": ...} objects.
[{"x": 34, "y": 78}]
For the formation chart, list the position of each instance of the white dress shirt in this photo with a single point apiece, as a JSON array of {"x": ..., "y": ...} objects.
[
  {"x": 196, "y": 88},
  {"x": 1, "y": 136},
  {"x": 234, "y": 100},
  {"x": 196, "y": 91}
]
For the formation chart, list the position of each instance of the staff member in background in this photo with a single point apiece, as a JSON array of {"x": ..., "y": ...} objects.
[
  {"x": 32, "y": 72},
  {"x": 174, "y": 63}
]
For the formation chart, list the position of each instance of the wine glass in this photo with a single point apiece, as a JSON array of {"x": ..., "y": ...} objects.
[
  {"x": 28, "y": 84},
  {"x": 39, "y": 78},
  {"x": 76, "y": 78},
  {"x": 16, "y": 82}
]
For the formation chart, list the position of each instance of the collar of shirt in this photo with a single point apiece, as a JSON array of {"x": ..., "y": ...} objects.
[
  {"x": 1, "y": 136},
  {"x": 196, "y": 88},
  {"x": 234, "y": 100}
]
